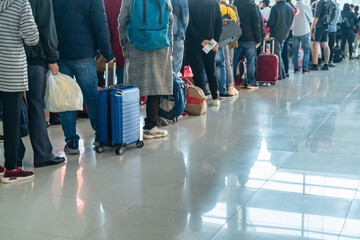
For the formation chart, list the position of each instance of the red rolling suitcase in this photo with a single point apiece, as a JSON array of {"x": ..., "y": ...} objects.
[{"x": 267, "y": 66}]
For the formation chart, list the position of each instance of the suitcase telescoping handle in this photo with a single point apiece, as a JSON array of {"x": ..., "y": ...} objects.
[
  {"x": 107, "y": 74},
  {"x": 272, "y": 46}
]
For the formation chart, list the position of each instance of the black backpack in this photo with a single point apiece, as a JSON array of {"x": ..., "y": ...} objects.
[
  {"x": 332, "y": 13},
  {"x": 338, "y": 54}
]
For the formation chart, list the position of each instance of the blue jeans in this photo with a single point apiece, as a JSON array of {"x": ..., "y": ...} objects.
[
  {"x": 250, "y": 53},
  {"x": 84, "y": 71},
  {"x": 221, "y": 69},
  {"x": 178, "y": 54},
  {"x": 305, "y": 43}
]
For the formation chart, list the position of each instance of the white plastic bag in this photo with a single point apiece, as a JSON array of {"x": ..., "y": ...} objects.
[{"x": 62, "y": 94}]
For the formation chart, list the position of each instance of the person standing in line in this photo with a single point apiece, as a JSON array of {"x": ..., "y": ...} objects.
[
  {"x": 319, "y": 31},
  {"x": 347, "y": 27},
  {"x": 265, "y": 9},
  {"x": 205, "y": 24},
  {"x": 280, "y": 22},
  {"x": 75, "y": 27},
  {"x": 301, "y": 35},
  {"x": 17, "y": 24},
  {"x": 148, "y": 70},
  {"x": 250, "y": 38},
  {"x": 181, "y": 21},
  {"x": 41, "y": 58}
]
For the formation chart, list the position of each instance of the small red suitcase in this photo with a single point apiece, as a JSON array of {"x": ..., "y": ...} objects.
[{"x": 267, "y": 66}]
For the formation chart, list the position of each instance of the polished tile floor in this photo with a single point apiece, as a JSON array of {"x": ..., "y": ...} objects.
[{"x": 278, "y": 163}]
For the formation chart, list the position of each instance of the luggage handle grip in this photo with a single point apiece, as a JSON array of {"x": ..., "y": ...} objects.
[
  {"x": 272, "y": 46},
  {"x": 107, "y": 73}
]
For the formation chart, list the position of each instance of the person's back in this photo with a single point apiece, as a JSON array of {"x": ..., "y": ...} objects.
[
  {"x": 302, "y": 20},
  {"x": 79, "y": 37},
  {"x": 249, "y": 19},
  {"x": 204, "y": 18},
  {"x": 280, "y": 21}
]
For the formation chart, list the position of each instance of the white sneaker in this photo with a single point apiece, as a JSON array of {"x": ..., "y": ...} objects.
[
  {"x": 216, "y": 102},
  {"x": 155, "y": 132},
  {"x": 233, "y": 91}
]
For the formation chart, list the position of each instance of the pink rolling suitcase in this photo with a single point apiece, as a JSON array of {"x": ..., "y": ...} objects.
[{"x": 267, "y": 66}]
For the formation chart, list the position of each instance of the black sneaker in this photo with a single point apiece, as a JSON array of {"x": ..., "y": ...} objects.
[
  {"x": 314, "y": 68},
  {"x": 305, "y": 71},
  {"x": 296, "y": 70},
  {"x": 225, "y": 95},
  {"x": 207, "y": 94},
  {"x": 325, "y": 67},
  {"x": 1, "y": 138},
  {"x": 287, "y": 75},
  {"x": 72, "y": 148},
  {"x": 351, "y": 58}
]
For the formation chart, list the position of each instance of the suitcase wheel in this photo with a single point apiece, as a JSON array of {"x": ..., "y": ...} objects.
[
  {"x": 119, "y": 151},
  {"x": 140, "y": 144},
  {"x": 272, "y": 84},
  {"x": 99, "y": 149}
]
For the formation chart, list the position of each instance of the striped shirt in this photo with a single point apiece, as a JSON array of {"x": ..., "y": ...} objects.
[{"x": 16, "y": 24}]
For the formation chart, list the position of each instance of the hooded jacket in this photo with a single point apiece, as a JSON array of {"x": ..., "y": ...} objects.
[
  {"x": 16, "y": 25},
  {"x": 45, "y": 51},
  {"x": 249, "y": 20}
]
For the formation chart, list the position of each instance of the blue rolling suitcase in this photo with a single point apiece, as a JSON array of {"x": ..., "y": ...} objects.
[{"x": 119, "y": 117}]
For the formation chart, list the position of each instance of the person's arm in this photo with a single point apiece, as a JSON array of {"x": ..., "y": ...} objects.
[
  {"x": 101, "y": 29},
  {"x": 218, "y": 25},
  {"x": 313, "y": 26},
  {"x": 272, "y": 18},
  {"x": 47, "y": 30},
  {"x": 262, "y": 26},
  {"x": 28, "y": 26},
  {"x": 124, "y": 19},
  {"x": 185, "y": 14}
]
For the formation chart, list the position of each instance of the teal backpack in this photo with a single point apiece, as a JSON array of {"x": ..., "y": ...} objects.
[{"x": 149, "y": 27}]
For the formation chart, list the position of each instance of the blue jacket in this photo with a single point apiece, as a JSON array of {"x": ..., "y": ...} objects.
[
  {"x": 180, "y": 25},
  {"x": 77, "y": 39}
]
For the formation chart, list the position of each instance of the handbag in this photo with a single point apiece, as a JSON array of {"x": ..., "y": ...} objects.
[
  {"x": 195, "y": 99},
  {"x": 100, "y": 63}
]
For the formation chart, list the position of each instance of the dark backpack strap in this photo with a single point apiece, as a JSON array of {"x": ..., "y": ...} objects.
[
  {"x": 160, "y": 11},
  {"x": 144, "y": 12},
  {"x": 79, "y": 8}
]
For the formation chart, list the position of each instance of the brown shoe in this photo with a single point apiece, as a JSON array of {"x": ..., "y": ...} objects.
[{"x": 17, "y": 175}]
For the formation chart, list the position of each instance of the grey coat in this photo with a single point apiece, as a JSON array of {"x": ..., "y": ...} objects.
[{"x": 150, "y": 71}]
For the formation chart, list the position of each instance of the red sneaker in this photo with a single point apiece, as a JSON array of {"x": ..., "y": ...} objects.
[
  {"x": 17, "y": 175},
  {"x": 1, "y": 170}
]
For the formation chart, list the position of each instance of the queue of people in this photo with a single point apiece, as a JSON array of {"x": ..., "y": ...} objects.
[{"x": 65, "y": 35}]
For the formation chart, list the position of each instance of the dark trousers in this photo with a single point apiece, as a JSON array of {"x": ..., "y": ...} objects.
[
  {"x": 11, "y": 125},
  {"x": 285, "y": 55},
  {"x": 349, "y": 36},
  {"x": 332, "y": 37},
  {"x": 197, "y": 59},
  {"x": 278, "y": 50},
  {"x": 152, "y": 112},
  {"x": 39, "y": 137}
]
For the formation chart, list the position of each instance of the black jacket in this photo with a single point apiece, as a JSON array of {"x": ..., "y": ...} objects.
[
  {"x": 262, "y": 26},
  {"x": 250, "y": 20},
  {"x": 280, "y": 20},
  {"x": 205, "y": 21},
  {"x": 46, "y": 50},
  {"x": 351, "y": 18}
]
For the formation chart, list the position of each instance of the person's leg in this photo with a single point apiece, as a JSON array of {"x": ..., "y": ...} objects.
[
  {"x": 237, "y": 53},
  {"x": 196, "y": 63},
  {"x": 250, "y": 54},
  {"x": 229, "y": 69},
  {"x": 11, "y": 127},
  {"x": 209, "y": 65},
  {"x": 295, "y": 52},
  {"x": 120, "y": 75},
  {"x": 332, "y": 36},
  {"x": 343, "y": 40},
  {"x": 178, "y": 54},
  {"x": 152, "y": 112},
  {"x": 305, "y": 42},
  {"x": 326, "y": 48},
  {"x": 68, "y": 119},
  {"x": 277, "y": 51},
  {"x": 38, "y": 133},
  {"x": 221, "y": 70},
  {"x": 285, "y": 55},
  {"x": 85, "y": 73},
  {"x": 350, "y": 35}
]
